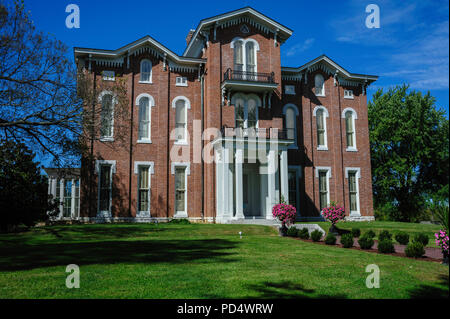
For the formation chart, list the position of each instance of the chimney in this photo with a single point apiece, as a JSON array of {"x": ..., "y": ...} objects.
[{"x": 189, "y": 36}]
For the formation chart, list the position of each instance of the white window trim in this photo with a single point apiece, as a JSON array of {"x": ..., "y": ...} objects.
[
  {"x": 108, "y": 75},
  {"x": 151, "y": 171},
  {"x": 183, "y": 83},
  {"x": 298, "y": 173},
  {"x": 287, "y": 92},
  {"x": 187, "y": 106},
  {"x": 325, "y": 146},
  {"x": 151, "y": 102},
  {"x": 323, "y": 85},
  {"x": 354, "y": 117},
  {"x": 244, "y": 52},
  {"x": 295, "y": 108},
  {"x": 358, "y": 176},
  {"x": 151, "y": 72},
  {"x": 98, "y": 164},
  {"x": 351, "y": 97},
  {"x": 187, "y": 166},
  {"x": 247, "y": 97},
  {"x": 114, "y": 102},
  {"x": 328, "y": 170}
]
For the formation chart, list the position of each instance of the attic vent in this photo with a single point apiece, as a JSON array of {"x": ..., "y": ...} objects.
[{"x": 244, "y": 29}]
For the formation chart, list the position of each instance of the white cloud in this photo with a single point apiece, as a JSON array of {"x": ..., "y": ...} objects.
[{"x": 300, "y": 47}]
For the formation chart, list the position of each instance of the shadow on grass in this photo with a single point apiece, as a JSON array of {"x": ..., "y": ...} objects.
[
  {"x": 23, "y": 257},
  {"x": 286, "y": 289},
  {"x": 440, "y": 290}
]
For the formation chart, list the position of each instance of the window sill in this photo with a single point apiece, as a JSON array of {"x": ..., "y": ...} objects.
[
  {"x": 322, "y": 148},
  {"x": 110, "y": 80},
  {"x": 320, "y": 95},
  {"x": 181, "y": 85},
  {"x": 351, "y": 149},
  {"x": 180, "y": 215},
  {"x": 106, "y": 139},
  {"x": 181, "y": 143},
  {"x": 143, "y": 214},
  {"x": 145, "y": 82},
  {"x": 349, "y": 97},
  {"x": 144, "y": 141},
  {"x": 355, "y": 214}
]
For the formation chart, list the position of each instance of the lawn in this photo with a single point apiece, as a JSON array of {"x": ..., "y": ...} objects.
[
  {"x": 393, "y": 227},
  {"x": 200, "y": 261}
]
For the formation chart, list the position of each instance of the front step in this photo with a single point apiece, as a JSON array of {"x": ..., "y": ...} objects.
[{"x": 256, "y": 221}]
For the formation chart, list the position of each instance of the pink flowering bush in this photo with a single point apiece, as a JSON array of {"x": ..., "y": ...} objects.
[
  {"x": 442, "y": 240},
  {"x": 333, "y": 213},
  {"x": 284, "y": 213}
]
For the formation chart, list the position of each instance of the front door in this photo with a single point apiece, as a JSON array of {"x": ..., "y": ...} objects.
[{"x": 251, "y": 190}]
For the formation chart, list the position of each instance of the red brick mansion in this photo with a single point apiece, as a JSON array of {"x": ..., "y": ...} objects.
[{"x": 223, "y": 132}]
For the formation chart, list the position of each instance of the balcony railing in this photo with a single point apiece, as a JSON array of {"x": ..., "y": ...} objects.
[
  {"x": 249, "y": 76},
  {"x": 260, "y": 133}
]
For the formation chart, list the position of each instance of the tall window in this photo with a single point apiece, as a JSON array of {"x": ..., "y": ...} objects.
[
  {"x": 321, "y": 128},
  {"x": 144, "y": 118},
  {"x": 58, "y": 192},
  {"x": 146, "y": 71},
  {"x": 323, "y": 189},
  {"x": 180, "y": 189},
  {"x": 180, "y": 120},
  {"x": 353, "y": 191},
  {"x": 250, "y": 57},
  {"x": 245, "y": 57},
  {"x": 246, "y": 111},
  {"x": 292, "y": 180},
  {"x": 105, "y": 188},
  {"x": 350, "y": 130},
  {"x": 107, "y": 116},
  {"x": 238, "y": 56},
  {"x": 239, "y": 112},
  {"x": 144, "y": 189},
  {"x": 67, "y": 205},
  {"x": 77, "y": 197},
  {"x": 319, "y": 85},
  {"x": 252, "y": 113}
]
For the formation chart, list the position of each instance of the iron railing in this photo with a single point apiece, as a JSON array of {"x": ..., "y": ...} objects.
[
  {"x": 253, "y": 132},
  {"x": 249, "y": 76}
]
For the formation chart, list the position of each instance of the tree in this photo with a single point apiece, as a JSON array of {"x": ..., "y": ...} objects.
[
  {"x": 23, "y": 190},
  {"x": 409, "y": 151},
  {"x": 43, "y": 98}
]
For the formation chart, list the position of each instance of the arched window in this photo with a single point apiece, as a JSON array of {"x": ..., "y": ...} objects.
[
  {"x": 245, "y": 57},
  {"x": 319, "y": 85},
  {"x": 350, "y": 115},
  {"x": 321, "y": 114},
  {"x": 250, "y": 57},
  {"x": 146, "y": 71},
  {"x": 290, "y": 112},
  {"x": 246, "y": 110},
  {"x": 180, "y": 120},
  {"x": 238, "y": 56},
  {"x": 144, "y": 102},
  {"x": 107, "y": 115}
]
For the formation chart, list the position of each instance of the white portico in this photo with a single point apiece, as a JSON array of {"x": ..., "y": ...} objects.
[{"x": 251, "y": 173}]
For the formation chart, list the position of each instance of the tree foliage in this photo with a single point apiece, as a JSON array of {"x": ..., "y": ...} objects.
[{"x": 409, "y": 144}]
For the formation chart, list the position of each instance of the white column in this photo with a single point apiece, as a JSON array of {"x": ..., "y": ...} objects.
[
  {"x": 227, "y": 196},
  {"x": 61, "y": 197},
  {"x": 72, "y": 203},
  {"x": 239, "y": 183},
  {"x": 219, "y": 184},
  {"x": 284, "y": 175},
  {"x": 271, "y": 169},
  {"x": 53, "y": 191}
]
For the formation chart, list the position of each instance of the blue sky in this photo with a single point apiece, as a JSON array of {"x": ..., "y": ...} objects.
[{"x": 411, "y": 45}]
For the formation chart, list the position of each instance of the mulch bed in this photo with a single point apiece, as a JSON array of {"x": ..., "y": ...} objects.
[{"x": 431, "y": 254}]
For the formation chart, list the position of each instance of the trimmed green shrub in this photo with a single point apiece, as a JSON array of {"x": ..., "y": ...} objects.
[
  {"x": 181, "y": 221},
  {"x": 421, "y": 238},
  {"x": 330, "y": 239},
  {"x": 292, "y": 231},
  {"x": 347, "y": 240},
  {"x": 384, "y": 234},
  {"x": 365, "y": 242},
  {"x": 370, "y": 234},
  {"x": 415, "y": 249},
  {"x": 356, "y": 232},
  {"x": 386, "y": 246},
  {"x": 402, "y": 238},
  {"x": 303, "y": 233},
  {"x": 316, "y": 235}
]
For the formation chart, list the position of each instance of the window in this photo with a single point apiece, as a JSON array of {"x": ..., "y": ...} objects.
[
  {"x": 349, "y": 115},
  {"x": 348, "y": 94},
  {"x": 323, "y": 173},
  {"x": 290, "y": 112},
  {"x": 292, "y": 181},
  {"x": 353, "y": 175},
  {"x": 77, "y": 197},
  {"x": 144, "y": 189},
  {"x": 180, "y": 120},
  {"x": 67, "y": 203},
  {"x": 58, "y": 191},
  {"x": 250, "y": 57},
  {"x": 238, "y": 56},
  {"x": 321, "y": 129},
  {"x": 319, "y": 85},
  {"x": 239, "y": 112},
  {"x": 181, "y": 81},
  {"x": 144, "y": 118},
  {"x": 180, "y": 190},
  {"x": 246, "y": 111},
  {"x": 245, "y": 57},
  {"x": 146, "y": 71},
  {"x": 289, "y": 89},
  {"x": 108, "y": 76},
  {"x": 107, "y": 116},
  {"x": 105, "y": 188},
  {"x": 252, "y": 118}
]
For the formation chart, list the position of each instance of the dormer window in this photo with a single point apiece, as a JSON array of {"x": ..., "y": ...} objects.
[
  {"x": 146, "y": 71},
  {"x": 348, "y": 94},
  {"x": 181, "y": 81},
  {"x": 319, "y": 85}
]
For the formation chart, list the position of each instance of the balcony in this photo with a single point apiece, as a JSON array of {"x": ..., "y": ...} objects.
[
  {"x": 260, "y": 133},
  {"x": 235, "y": 80}
]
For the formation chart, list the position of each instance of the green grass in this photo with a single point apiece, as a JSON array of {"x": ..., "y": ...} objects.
[
  {"x": 200, "y": 261},
  {"x": 393, "y": 227}
]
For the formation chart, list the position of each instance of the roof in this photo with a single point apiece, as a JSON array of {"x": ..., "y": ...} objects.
[{"x": 283, "y": 31}]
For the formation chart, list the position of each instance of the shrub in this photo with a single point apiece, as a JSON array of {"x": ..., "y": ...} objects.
[
  {"x": 370, "y": 234},
  {"x": 442, "y": 241},
  {"x": 421, "y": 238},
  {"x": 386, "y": 246},
  {"x": 330, "y": 239},
  {"x": 303, "y": 233},
  {"x": 402, "y": 238},
  {"x": 284, "y": 213},
  {"x": 292, "y": 231},
  {"x": 316, "y": 235},
  {"x": 347, "y": 240},
  {"x": 384, "y": 234},
  {"x": 365, "y": 242},
  {"x": 356, "y": 232},
  {"x": 415, "y": 249},
  {"x": 333, "y": 213}
]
